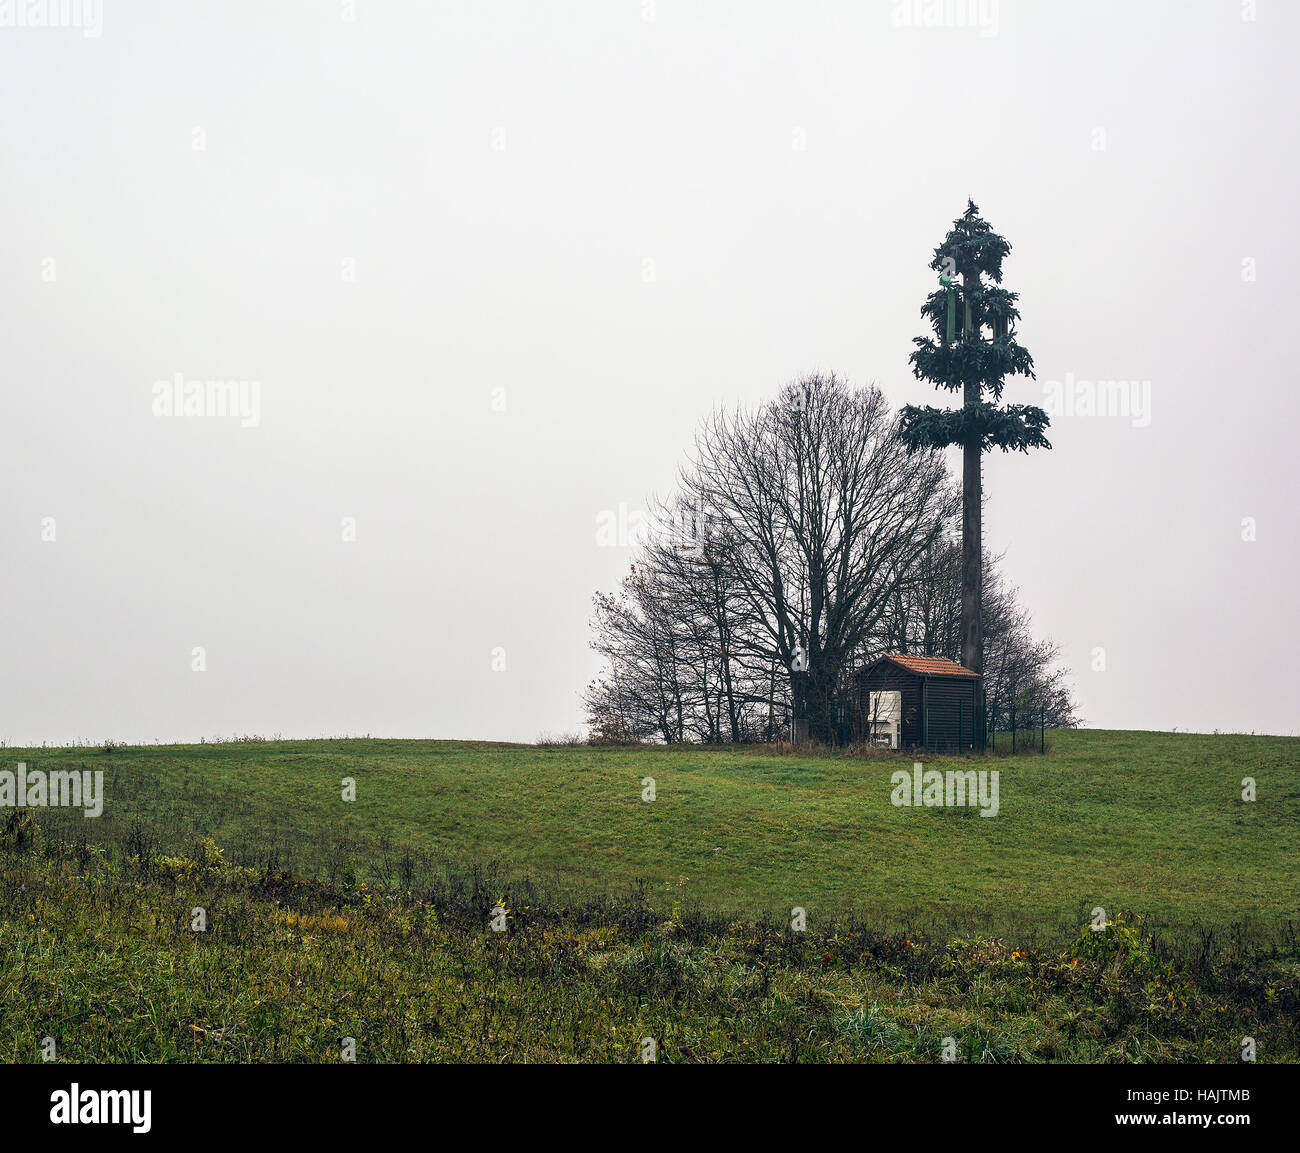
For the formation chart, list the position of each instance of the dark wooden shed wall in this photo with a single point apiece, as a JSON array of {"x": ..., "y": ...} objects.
[
  {"x": 951, "y": 702},
  {"x": 951, "y": 705}
]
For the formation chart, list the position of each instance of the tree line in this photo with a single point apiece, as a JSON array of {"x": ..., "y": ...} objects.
[{"x": 803, "y": 540}]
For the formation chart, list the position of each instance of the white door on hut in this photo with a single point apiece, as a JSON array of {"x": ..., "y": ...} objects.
[{"x": 885, "y": 718}]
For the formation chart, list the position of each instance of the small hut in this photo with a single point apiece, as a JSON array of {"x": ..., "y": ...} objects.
[{"x": 919, "y": 702}]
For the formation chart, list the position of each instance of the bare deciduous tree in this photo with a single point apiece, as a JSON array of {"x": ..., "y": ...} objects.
[
  {"x": 820, "y": 514},
  {"x": 807, "y": 514}
]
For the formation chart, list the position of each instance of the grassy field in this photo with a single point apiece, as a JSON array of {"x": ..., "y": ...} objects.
[
  {"x": 1151, "y": 822},
  {"x": 928, "y": 931},
  {"x": 102, "y": 960}
]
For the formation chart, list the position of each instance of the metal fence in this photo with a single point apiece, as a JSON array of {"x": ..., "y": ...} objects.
[
  {"x": 1015, "y": 730},
  {"x": 1032, "y": 735}
]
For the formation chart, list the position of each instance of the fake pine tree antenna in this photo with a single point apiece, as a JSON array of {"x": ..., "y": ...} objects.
[{"x": 973, "y": 350}]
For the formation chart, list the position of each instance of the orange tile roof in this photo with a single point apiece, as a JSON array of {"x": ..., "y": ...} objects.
[{"x": 929, "y": 666}]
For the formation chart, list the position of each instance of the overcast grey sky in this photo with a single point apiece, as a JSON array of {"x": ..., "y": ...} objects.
[{"x": 490, "y": 263}]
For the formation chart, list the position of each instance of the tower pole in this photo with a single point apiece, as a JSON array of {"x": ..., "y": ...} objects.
[{"x": 972, "y": 509}]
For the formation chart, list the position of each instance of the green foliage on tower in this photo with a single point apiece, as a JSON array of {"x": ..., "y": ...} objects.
[{"x": 973, "y": 349}]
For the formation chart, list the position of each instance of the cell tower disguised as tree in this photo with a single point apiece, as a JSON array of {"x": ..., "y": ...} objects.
[{"x": 973, "y": 350}]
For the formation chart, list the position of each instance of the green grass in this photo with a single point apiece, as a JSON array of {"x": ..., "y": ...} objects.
[
  {"x": 1149, "y": 822},
  {"x": 101, "y": 959},
  {"x": 927, "y": 930}
]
